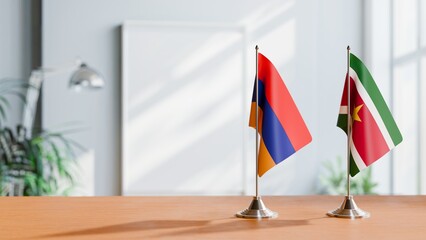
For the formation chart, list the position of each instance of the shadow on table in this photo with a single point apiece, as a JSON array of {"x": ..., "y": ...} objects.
[
  {"x": 132, "y": 226},
  {"x": 237, "y": 225},
  {"x": 193, "y": 227}
]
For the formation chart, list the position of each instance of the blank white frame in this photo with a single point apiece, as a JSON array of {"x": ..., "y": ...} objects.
[{"x": 125, "y": 91}]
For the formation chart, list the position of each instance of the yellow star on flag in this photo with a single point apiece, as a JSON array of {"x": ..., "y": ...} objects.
[{"x": 355, "y": 115}]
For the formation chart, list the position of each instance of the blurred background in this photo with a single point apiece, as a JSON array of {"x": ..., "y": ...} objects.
[{"x": 172, "y": 116}]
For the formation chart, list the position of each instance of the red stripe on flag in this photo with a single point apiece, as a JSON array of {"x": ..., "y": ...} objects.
[
  {"x": 282, "y": 104},
  {"x": 344, "y": 101},
  {"x": 366, "y": 134}
]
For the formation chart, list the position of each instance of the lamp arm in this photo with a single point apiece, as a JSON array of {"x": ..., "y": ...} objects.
[
  {"x": 33, "y": 93},
  {"x": 49, "y": 71},
  {"x": 30, "y": 107}
]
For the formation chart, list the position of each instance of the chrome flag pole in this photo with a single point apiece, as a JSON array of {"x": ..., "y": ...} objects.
[
  {"x": 257, "y": 208},
  {"x": 348, "y": 209},
  {"x": 257, "y": 121}
]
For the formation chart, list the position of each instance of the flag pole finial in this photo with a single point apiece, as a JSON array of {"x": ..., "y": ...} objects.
[
  {"x": 348, "y": 48},
  {"x": 257, "y": 47}
]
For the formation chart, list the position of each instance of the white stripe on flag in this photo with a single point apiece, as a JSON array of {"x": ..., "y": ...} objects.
[
  {"x": 343, "y": 110},
  {"x": 369, "y": 102},
  {"x": 357, "y": 158}
]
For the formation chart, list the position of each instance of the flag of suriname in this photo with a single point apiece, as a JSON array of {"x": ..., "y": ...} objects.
[{"x": 374, "y": 131}]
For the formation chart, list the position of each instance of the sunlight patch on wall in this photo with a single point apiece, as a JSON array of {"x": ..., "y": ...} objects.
[{"x": 405, "y": 104}]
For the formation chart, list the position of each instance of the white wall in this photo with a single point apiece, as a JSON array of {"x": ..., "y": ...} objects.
[
  {"x": 15, "y": 47},
  {"x": 400, "y": 79},
  {"x": 378, "y": 57},
  {"x": 305, "y": 39}
]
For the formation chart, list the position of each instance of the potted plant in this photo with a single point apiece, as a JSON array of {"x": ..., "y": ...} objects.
[
  {"x": 333, "y": 181},
  {"x": 40, "y": 164}
]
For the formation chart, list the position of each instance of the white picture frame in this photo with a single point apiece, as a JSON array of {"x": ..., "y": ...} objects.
[{"x": 162, "y": 64}]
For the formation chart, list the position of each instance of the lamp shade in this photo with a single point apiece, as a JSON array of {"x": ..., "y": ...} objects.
[{"x": 86, "y": 77}]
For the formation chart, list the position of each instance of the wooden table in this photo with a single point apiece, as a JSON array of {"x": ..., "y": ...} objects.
[{"x": 392, "y": 217}]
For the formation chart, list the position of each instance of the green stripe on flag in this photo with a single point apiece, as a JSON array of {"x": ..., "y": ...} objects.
[
  {"x": 342, "y": 122},
  {"x": 354, "y": 170},
  {"x": 370, "y": 86}
]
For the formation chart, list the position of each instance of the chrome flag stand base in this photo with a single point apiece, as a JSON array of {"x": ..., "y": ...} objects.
[
  {"x": 349, "y": 209},
  {"x": 257, "y": 209}
]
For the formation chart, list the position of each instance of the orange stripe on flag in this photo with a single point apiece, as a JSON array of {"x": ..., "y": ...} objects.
[
  {"x": 252, "y": 120},
  {"x": 265, "y": 159}
]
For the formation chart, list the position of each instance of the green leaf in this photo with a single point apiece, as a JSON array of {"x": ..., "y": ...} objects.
[
  {"x": 48, "y": 162},
  {"x": 30, "y": 182},
  {"x": 2, "y": 113},
  {"x": 4, "y": 101}
]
